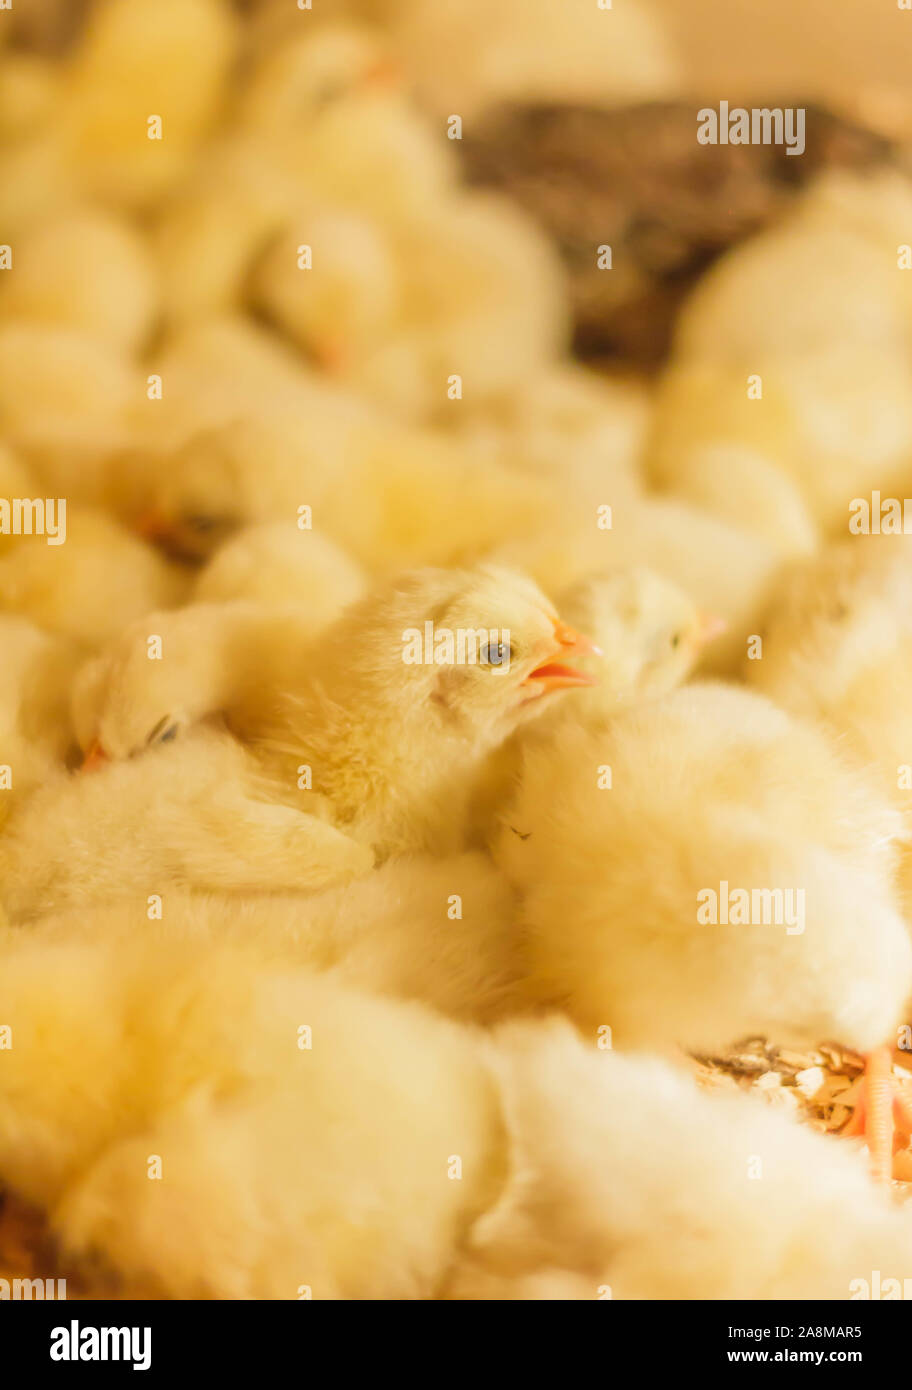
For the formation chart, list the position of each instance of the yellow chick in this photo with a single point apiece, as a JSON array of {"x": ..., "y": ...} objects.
[
  {"x": 737, "y": 871},
  {"x": 836, "y": 420},
  {"x": 195, "y": 814},
  {"x": 143, "y": 87},
  {"x": 36, "y": 734},
  {"x": 207, "y": 240},
  {"x": 834, "y": 648},
  {"x": 277, "y": 562},
  {"x": 581, "y": 431},
  {"x": 745, "y": 488},
  {"x": 87, "y": 270},
  {"x": 64, "y": 402},
  {"x": 588, "y": 1211},
  {"x": 388, "y": 716},
  {"x": 391, "y": 495},
  {"x": 464, "y": 55},
  {"x": 344, "y": 297},
  {"x": 327, "y": 105},
  {"x": 313, "y": 1131},
  {"x": 648, "y": 636},
  {"x": 307, "y": 1128},
  {"x": 439, "y": 931},
  {"x": 485, "y": 305},
  {"x": 794, "y": 288},
  {"x": 725, "y": 571},
  {"x": 91, "y": 584}
]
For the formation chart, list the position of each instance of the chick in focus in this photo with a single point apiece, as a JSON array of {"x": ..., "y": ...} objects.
[{"x": 389, "y": 715}]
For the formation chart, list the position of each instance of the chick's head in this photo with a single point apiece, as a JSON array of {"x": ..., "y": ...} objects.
[
  {"x": 650, "y": 633},
  {"x": 474, "y": 652},
  {"x": 196, "y": 499}
]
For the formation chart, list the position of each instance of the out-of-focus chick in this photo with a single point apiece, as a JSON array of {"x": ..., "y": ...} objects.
[
  {"x": 648, "y": 636},
  {"x": 91, "y": 586},
  {"x": 277, "y": 562},
  {"x": 346, "y": 299},
  {"x": 582, "y": 432},
  {"x": 85, "y": 269},
  {"x": 389, "y": 714},
  {"x": 837, "y": 420},
  {"x": 485, "y": 300},
  {"x": 392, "y": 495},
  {"x": 625, "y": 841},
  {"x": 439, "y": 931},
  {"x": 741, "y": 486},
  {"x": 794, "y": 288},
  {"x": 36, "y": 734},
  {"x": 193, "y": 814},
  {"x": 465, "y": 55},
  {"x": 314, "y": 1131},
  {"x": 132, "y": 66},
  {"x": 328, "y": 108},
  {"x": 308, "y": 1128},
  {"x": 724, "y": 570},
  {"x": 836, "y": 648},
  {"x": 648, "y": 632},
  {"x": 207, "y": 241},
  {"x": 588, "y": 1210}
]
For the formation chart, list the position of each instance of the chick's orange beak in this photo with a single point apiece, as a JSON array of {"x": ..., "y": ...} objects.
[
  {"x": 152, "y": 526},
  {"x": 709, "y": 626},
  {"x": 553, "y": 674},
  {"x": 94, "y": 758}
]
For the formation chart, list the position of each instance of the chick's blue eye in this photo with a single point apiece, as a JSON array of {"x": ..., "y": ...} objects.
[
  {"x": 496, "y": 654},
  {"x": 169, "y": 734}
]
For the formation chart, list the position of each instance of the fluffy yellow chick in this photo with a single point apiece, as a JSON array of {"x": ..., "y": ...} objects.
[
  {"x": 837, "y": 420},
  {"x": 582, "y": 432},
  {"x": 309, "y": 1129},
  {"x": 648, "y": 636},
  {"x": 315, "y": 1131},
  {"x": 194, "y": 814},
  {"x": 391, "y": 495},
  {"x": 794, "y": 288},
  {"x": 588, "y": 1211},
  {"x": 465, "y": 55},
  {"x": 207, "y": 240},
  {"x": 135, "y": 65},
  {"x": 485, "y": 302},
  {"x": 725, "y": 571},
  {"x": 277, "y": 562},
  {"x": 388, "y": 715},
  {"x": 347, "y": 298},
  {"x": 327, "y": 104},
  {"x": 439, "y": 931},
  {"x": 93, "y": 584},
  {"x": 36, "y": 734},
  {"x": 834, "y": 648},
  {"x": 737, "y": 872},
  {"x": 86, "y": 269},
  {"x": 745, "y": 488}
]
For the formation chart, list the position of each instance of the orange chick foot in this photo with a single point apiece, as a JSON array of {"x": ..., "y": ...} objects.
[{"x": 883, "y": 1114}]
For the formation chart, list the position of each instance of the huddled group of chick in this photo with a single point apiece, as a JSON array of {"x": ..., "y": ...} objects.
[{"x": 328, "y": 973}]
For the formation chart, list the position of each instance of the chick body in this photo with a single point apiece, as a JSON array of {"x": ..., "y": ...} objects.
[{"x": 626, "y": 881}]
